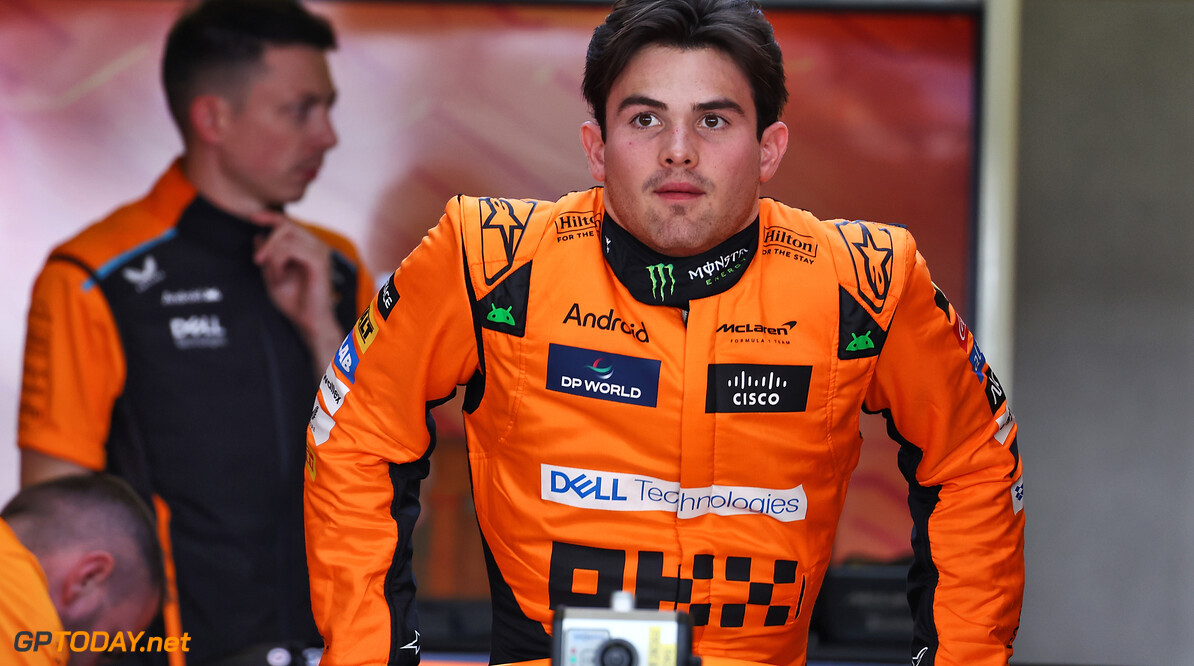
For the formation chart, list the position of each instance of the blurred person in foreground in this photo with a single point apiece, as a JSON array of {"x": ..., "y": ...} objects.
[
  {"x": 176, "y": 342},
  {"x": 77, "y": 553},
  {"x": 663, "y": 378}
]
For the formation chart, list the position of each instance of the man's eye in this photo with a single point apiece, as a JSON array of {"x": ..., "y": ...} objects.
[
  {"x": 299, "y": 111},
  {"x": 712, "y": 121},
  {"x": 645, "y": 120}
]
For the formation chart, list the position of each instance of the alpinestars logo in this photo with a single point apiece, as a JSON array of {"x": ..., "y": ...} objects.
[
  {"x": 872, "y": 250},
  {"x": 413, "y": 645},
  {"x": 663, "y": 280},
  {"x": 503, "y": 222}
]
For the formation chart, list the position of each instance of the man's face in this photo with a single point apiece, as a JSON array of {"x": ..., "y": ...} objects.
[
  {"x": 279, "y": 127},
  {"x": 681, "y": 161}
]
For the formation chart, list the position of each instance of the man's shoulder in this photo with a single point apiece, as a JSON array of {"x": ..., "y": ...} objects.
[
  {"x": 333, "y": 239},
  {"x": 506, "y": 229},
  {"x": 840, "y": 234},
  {"x": 144, "y": 221},
  {"x": 487, "y": 211}
]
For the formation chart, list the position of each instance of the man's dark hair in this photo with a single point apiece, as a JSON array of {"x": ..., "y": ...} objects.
[
  {"x": 218, "y": 42},
  {"x": 734, "y": 27},
  {"x": 88, "y": 509}
]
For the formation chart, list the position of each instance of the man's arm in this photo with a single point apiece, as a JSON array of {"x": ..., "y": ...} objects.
[
  {"x": 37, "y": 467},
  {"x": 73, "y": 372},
  {"x": 945, "y": 407},
  {"x": 367, "y": 449}
]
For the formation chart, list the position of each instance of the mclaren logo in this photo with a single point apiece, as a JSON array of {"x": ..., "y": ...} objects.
[
  {"x": 756, "y": 328},
  {"x": 503, "y": 222}
]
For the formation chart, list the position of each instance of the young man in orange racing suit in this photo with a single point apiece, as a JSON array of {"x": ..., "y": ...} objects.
[
  {"x": 664, "y": 378},
  {"x": 174, "y": 343}
]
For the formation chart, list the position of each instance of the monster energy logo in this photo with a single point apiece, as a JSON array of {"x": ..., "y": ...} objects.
[{"x": 661, "y": 278}]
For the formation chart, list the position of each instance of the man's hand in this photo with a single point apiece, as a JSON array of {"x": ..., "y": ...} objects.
[{"x": 297, "y": 270}]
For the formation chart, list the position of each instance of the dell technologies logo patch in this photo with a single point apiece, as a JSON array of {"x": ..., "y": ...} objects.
[{"x": 747, "y": 387}]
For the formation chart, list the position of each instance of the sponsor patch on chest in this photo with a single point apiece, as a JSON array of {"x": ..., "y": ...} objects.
[
  {"x": 748, "y": 387},
  {"x": 603, "y": 375},
  {"x": 613, "y": 491},
  {"x": 198, "y": 332}
]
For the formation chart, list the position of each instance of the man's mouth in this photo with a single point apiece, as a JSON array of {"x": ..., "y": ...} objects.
[
  {"x": 678, "y": 191},
  {"x": 310, "y": 170}
]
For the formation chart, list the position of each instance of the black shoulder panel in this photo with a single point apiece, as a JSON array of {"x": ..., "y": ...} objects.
[{"x": 859, "y": 335}]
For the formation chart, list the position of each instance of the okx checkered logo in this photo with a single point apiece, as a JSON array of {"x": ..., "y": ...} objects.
[{"x": 752, "y": 591}]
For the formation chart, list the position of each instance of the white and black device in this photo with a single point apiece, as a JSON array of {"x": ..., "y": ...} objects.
[{"x": 621, "y": 636}]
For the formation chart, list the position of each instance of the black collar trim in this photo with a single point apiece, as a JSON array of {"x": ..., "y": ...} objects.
[
  {"x": 657, "y": 279},
  {"x": 221, "y": 231}
]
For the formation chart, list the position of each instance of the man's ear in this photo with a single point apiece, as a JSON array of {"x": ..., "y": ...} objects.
[
  {"x": 594, "y": 145},
  {"x": 772, "y": 146},
  {"x": 84, "y": 585},
  {"x": 210, "y": 116}
]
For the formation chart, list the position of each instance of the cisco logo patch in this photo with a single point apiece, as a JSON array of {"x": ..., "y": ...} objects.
[{"x": 747, "y": 387}]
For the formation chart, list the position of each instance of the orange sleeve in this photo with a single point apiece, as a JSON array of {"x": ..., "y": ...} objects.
[
  {"x": 946, "y": 408},
  {"x": 73, "y": 367},
  {"x": 367, "y": 449},
  {"x": 27, "y": 615}
]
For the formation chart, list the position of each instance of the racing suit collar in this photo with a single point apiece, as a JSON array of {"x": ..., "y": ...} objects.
[
  {"x": 657, "y": 279},
  {"x": 222, "y": 232}
]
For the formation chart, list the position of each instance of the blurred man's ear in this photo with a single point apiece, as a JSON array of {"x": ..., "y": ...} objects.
[
  {"x": 84, "y": 588},
  {"x": 210, "y": 116}
]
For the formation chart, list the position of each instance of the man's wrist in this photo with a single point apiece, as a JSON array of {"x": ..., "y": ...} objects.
[{"x": 323, "y": 340}]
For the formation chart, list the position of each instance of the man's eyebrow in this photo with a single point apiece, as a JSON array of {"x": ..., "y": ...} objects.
[
  {"x": 642, "y": 100},
  {"x": 712, "y": 105},
  {"x": 719, "y": 105}
]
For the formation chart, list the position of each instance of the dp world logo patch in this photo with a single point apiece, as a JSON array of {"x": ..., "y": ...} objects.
[{"x": 602, "y": 375}]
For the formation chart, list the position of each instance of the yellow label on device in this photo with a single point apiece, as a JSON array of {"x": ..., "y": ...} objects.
[{"x": 659, "y": 654}]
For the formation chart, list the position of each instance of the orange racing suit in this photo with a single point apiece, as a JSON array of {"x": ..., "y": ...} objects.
[{"x": 683, "y": 428}]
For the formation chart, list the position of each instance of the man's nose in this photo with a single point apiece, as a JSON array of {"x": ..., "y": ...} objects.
[
  {"x": 679, "y": 147},
  {"x": 325, "y": 131}
]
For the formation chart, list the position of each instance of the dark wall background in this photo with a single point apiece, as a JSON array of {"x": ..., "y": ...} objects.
[{"x": 1105, "y": 330}]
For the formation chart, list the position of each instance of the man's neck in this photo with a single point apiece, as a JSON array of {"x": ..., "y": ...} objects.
[{"x": 203, "y": 171}]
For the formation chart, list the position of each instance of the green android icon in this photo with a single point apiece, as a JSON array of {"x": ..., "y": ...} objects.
[{"x": 500, "y": 315}]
